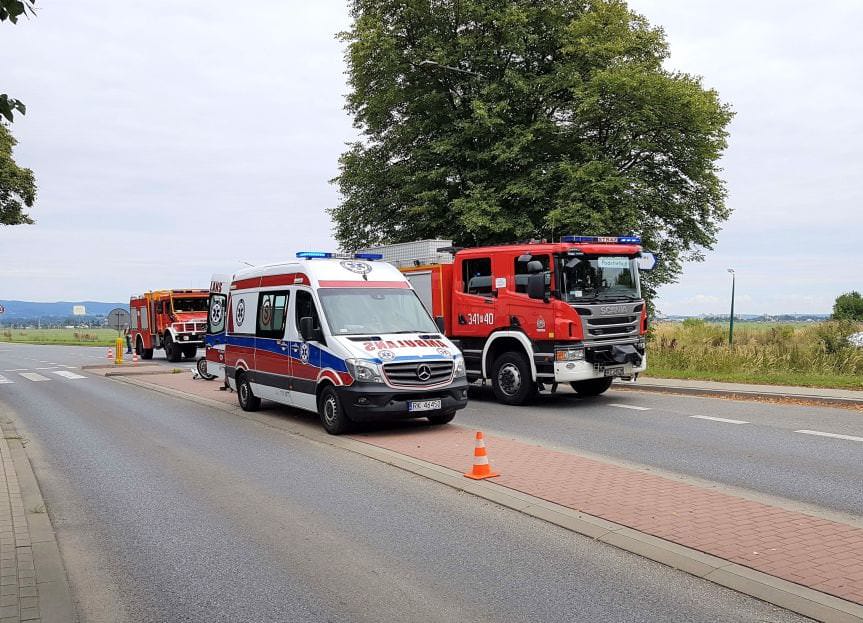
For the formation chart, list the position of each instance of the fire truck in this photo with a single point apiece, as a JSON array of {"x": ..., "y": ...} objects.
[
  {"x": 531, "y": 316},
  {"x": 175, "y": 320}
]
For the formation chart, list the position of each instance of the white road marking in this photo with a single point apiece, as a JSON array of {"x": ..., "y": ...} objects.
[
  {"x": 834, "y": 435},
  {"x": 33, "y": 376},
  {"x": 719, "y": 419},
  {"x": 3, "y": 380},
  {"x": 69, "y": 375},
  {"x": 633, "y": 407},
  {"x": 70, "y": 367},
  {"x": 51, "y": 368},
  {"x": 17, "y": 370}
]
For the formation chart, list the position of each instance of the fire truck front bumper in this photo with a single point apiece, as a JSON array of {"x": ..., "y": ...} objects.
[
  {"x": 366, "y": 402},
  {"x": 570, "y": 371}
]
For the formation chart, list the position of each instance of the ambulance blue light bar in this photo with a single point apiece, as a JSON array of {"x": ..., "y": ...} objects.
[
  {"x": 307, "y": 255},
  {"x": 603, "y": 239},
  {"x": 368, "y": 256}
]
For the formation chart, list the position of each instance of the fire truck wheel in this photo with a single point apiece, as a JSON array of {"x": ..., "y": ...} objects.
[
  {"x": 248, "y": 400},
  {"x": 144, "y": 353},
  {"x": 510, "y": 379},
  {"x": 333, "y": 417},
  {"x": 172, "y": 350},
  {"x": 591, "y": 387},
  {"x": 189, "y": 352},
  {"x": 443, "y": 418}
]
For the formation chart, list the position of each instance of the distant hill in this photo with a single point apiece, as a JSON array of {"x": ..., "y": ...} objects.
[{"x": 19, "y": 310}]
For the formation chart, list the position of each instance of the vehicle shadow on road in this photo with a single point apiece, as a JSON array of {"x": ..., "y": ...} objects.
[{"x": 545, "y": 400}]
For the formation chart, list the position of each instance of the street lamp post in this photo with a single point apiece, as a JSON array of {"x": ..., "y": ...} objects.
[{"x": 731, "y": 321}]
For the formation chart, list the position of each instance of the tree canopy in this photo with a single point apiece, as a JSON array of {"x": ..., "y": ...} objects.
[
  {"x": 17, "y": 184},
  {"x": 848, "y": 306},
  {"x": 490, "y": 121}
]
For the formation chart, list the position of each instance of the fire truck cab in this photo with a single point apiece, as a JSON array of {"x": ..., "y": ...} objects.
[
  {"x": 171, "y": 319},
  {"x": 531, "y": 315}
]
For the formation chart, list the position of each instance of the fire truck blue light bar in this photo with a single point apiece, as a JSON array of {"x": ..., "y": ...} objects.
[{"x": 603, "y": 239}]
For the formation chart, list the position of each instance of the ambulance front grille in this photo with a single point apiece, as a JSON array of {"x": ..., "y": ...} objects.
[{"x": 418, "y": 373}]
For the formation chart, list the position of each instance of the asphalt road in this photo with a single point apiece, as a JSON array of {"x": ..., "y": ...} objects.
[
  {"x": 759, "y": 450},
  {"x": 168, "y": 511}
]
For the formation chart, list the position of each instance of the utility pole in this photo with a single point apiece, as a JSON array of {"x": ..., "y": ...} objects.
[{"x": 731, "y": 320}]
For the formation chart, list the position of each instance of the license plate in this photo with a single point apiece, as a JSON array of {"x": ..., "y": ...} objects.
[
  {"x": 423, "y": 405},
  {"x": 615, "y": 371}
]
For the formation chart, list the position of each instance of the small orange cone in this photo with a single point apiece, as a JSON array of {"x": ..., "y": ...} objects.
[
  {"x": 481, "y": 468},
  {"x": 135, "y": 358},
  {"x": 110, "y": 353}
]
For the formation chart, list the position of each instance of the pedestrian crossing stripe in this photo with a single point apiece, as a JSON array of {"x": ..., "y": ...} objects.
[
  {"x": 69, "y": 375},
  {"x": 33, "y": 376},
  {"x": 3, "y": 380}
]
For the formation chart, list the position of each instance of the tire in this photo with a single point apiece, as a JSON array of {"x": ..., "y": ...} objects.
[
  {"x": 248, "y": 400},
  {"x": 511, "y": 379},
  {"x": 333, "y": 418},
  {"x": 144, "y": 353},
  {"x": 190, "y": 352},
  {"x": 202, "y": 369},
  {"x": 592, "y": 387},
  {"x": 441, "y": 418},
  {"x": 172, "y": 350}
]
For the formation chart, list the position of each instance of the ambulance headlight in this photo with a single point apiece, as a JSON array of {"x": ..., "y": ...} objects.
[
  {"x": 459, "y": 368},
  {"x": 569, "y": 354},
  {"x": 364, "y": 371}
]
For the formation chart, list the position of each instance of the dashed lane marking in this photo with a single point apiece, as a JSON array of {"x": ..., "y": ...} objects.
[
  {"x": 17, "y": 370},
  {"x": 69, "y": 375},
  {"x": 633, "y": 407},
  {"x": 33, "y": 376},
  {"x": 3, "y": 380},
  {"x": 51, "y": 368},
  {"x": 833, "y": 435},
  {"x": 719, "y": 419}
]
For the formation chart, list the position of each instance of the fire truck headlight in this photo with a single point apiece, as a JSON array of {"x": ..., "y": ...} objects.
[
  {"x": 364, "y": 371},
  {"x": 459, "y": 368},
  {"x": 640, "y": 344},
  {"x": 569, "y": 354}
]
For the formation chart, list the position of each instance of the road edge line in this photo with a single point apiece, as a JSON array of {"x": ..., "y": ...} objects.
[
  {"x": 794, "y": 597},
  {"x": 741, "y": 395},
  {"x": 52, "y": 580}
]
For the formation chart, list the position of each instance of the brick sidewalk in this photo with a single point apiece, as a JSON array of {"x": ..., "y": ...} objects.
[
  {"x": 820, "y": 554},
  {"x": 824, "y": 555},
  {"x": 19, "y": 599}
]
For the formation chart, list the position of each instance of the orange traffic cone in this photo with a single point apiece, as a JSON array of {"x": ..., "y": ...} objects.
[
  {"x": 481, "y": 468},
  {"x": 135, "y": 358},
  {"x": 110, "y": 353}
]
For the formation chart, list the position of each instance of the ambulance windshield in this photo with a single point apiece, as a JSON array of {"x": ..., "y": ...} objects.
[
  {"x": 364, "y": 311},
  {"x": 602, "y": 278}
]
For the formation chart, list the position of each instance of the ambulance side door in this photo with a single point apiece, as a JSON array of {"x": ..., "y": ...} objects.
[
  {"x": 305, "y": 356},
  {"x": 273, "y": 365}
]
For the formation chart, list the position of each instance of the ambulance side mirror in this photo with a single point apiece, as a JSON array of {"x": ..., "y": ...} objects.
[{"x": 307, "y": 330}]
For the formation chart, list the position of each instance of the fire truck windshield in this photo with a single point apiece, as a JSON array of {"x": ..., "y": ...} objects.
[
  {"x": 364, "y": 311},
  {"x": 182, "y": 305},
  {"x": 602, "y": 278}
]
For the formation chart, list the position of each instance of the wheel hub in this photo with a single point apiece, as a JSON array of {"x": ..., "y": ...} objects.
[{"x": 509, "y": 379}]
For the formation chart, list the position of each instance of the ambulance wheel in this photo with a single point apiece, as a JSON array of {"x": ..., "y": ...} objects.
[
  {"x": 511, "y": 379},
  {"x": 172, "y": 350},
  {"x": 248, "y": 400},
  {"x": 333, "y": 418},
  {"x": 202, "y": 369},
  {"x": 442, "y": 418},
  {"x": 591, "y": 387}
]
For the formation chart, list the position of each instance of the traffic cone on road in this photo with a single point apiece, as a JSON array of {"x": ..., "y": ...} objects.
[
  {"x": 135, "y": 358},
  {"x": 110, "y": 354},
  {"x": 481, "y": 468}
]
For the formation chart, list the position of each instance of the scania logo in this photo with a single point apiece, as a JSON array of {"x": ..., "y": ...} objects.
[
  {"x": 423, "y": 372},
  {"x": 361, "y": 268},
  {"x": 612, "y": 309}
]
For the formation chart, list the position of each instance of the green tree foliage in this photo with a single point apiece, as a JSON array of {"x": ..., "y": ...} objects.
[
  {"x": 499, "y": 120},
  {"x": 17, "y": 184},
  {"x": 848, "y": 306}
]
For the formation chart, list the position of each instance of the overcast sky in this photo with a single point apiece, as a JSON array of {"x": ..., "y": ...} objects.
[{"x": 172, "y": 140}]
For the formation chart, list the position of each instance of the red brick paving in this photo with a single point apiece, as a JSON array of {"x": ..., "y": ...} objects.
[
  {"x": 818, "y": 553},
  {"x": 821, "y": 554}
]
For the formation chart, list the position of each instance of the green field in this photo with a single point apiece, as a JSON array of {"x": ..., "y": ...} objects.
[
  {"x": 805, "y": 354},
  {"x": 68, "y": 337}
]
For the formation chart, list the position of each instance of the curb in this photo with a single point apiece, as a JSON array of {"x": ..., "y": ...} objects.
[
  {"x": 794, "y": 597},
  {"x": 741, "y": 394},
  {"x": 145, "y": 372},
  {"x": 55, "y": 597}
]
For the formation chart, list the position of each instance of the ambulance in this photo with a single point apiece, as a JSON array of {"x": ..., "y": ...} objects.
[
  {"x": 344, "y": 336},
  {"x": 212, "y": 364}
]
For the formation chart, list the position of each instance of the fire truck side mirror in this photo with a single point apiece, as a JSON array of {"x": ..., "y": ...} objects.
[{"x": 536, "y": 286}]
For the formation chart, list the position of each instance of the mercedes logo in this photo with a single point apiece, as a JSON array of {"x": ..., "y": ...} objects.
[{"x": 423, "y": 372}]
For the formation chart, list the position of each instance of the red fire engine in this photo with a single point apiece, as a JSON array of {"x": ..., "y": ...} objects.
[
  {"x": 537, "y": 314},
  {"x": 175, "y": 320}
]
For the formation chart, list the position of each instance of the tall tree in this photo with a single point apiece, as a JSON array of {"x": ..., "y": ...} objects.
[
  {"x": 17, "y": 184},
  {"x": 848, "y": 306},
  {"x": 497, "y": 120}
]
